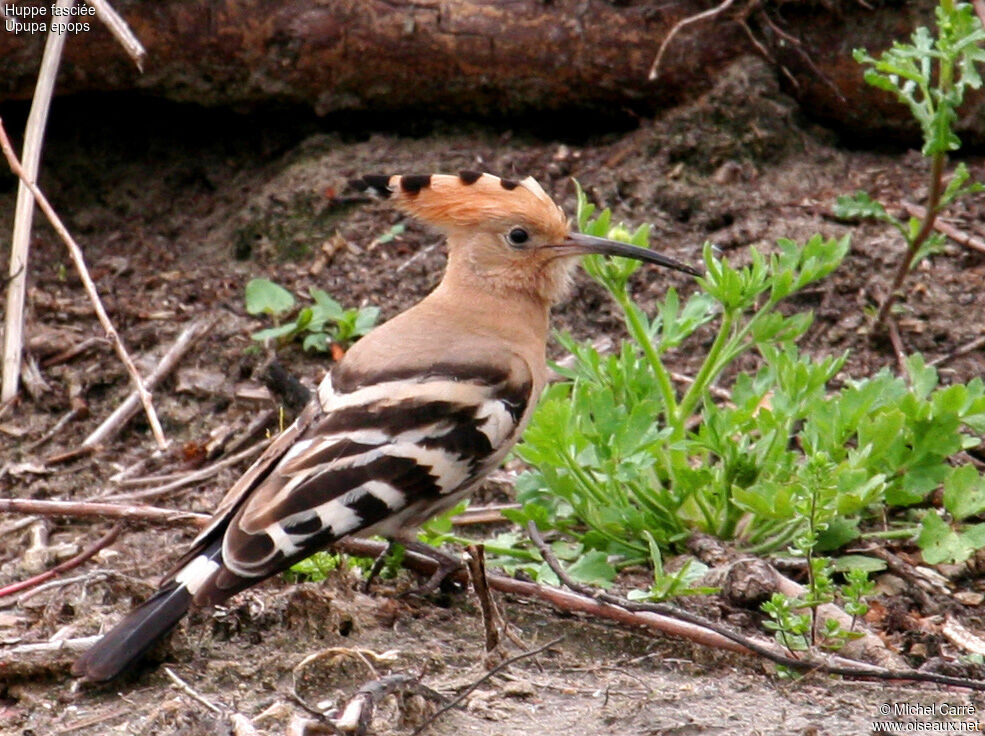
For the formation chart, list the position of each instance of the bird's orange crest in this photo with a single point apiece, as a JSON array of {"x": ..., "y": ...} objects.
[{"x": 470, "y": 200}]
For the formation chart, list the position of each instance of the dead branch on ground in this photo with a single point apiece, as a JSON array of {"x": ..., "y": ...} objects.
[{"x": 130, "y": 513}]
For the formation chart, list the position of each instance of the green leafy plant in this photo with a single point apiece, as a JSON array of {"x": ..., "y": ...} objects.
[
  {"x": 930, "y": 75},
  {"x": 318, "y": 326},
  {"x": 627, "y": 465},
  {"x": 315, "y": 568}
]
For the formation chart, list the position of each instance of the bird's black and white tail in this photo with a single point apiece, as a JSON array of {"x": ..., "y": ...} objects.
[{"x": 130, "y": 639}]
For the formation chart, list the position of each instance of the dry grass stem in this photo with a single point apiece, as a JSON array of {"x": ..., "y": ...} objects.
[
  {"x": 13, "y": 340},
  {"x": 120, "y": 30}
]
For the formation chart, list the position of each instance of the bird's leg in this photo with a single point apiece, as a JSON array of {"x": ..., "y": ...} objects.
[
  {"x": 380, "y": 562},
  {"x": 447, "y": 565}
]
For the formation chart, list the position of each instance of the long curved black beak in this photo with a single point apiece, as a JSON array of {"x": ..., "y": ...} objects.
[{"x": 578, "y": 244}]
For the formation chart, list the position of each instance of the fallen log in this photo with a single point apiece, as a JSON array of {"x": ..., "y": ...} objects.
[{"x": 492, "y": 59}]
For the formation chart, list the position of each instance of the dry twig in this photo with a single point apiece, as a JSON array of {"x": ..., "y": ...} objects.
[
  {"x": 91, "y": 510},
  {"x": 958, "y": 236},
  {"x": 120, "y": 30},
  {"x": 194, "y": 476},
  {"x": 499, "y": 668},
  {"x": 192, "y": 693},
  {"x": 79, "y": 410},
  {"x": 475, "y": 560},
  {"x": 963, "y": 350},
  {"x": 79, "y": 260},
  {"x": 898, "y": 350},
  {"x": 118, "y": 419},
  {"x": 90, "y": 551}
]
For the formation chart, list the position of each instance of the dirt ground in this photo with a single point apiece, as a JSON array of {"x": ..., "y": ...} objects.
[{"x": 177, "y": 208}]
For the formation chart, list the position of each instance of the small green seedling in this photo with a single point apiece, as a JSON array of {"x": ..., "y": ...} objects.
[{"x": 318, "y": 326}]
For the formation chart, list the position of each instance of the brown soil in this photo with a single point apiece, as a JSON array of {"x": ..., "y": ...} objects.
[{"x": 177, "y": 208}]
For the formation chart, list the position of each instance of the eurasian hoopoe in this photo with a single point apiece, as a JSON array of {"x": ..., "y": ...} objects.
[{"x": 411, "y": 419}]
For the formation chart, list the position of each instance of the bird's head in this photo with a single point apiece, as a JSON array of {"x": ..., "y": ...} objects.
[{"x": 508, "y": 236}]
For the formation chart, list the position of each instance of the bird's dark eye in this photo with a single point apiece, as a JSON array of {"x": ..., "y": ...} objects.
[{"x": 518, "y": 236}]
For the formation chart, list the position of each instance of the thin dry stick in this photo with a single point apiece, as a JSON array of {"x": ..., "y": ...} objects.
[
  {"x": 358, "y": 712},
  {"x": 72, "y": 414},
  {"x": 118, "y": 419},
  {"x": 91, "y": 510},
  {"x": 79, "y": 260},
  {"x": 958, "y": 236},
  {"x": 13, "y": 341},
  {"x": 710, "y": 13},
  {"x": 119, "y": 28},
  {"x": 191, "y": 693},
  {"x": 499, "y": 668},
  {"x": 90, "y": 551},
  {"x": 476, "y": 562},
  {"x": 193, "y": 477},
  {"x": 71, "y": 352},
  {"x": 897, "y": 342},
  {"x": 978, "y": 342},
  {"x": 79, "y": 644},
  {"x": 85, "y": 577}
]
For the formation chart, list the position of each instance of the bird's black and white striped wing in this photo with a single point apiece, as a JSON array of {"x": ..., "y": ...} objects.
[{"x": 388, "y": 451}]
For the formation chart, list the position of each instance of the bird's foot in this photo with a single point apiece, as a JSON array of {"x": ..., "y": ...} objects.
[{"x": 447, "y": 566}]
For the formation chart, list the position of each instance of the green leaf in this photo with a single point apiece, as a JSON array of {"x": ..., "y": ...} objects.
[
  {"x": 593, "y": 569},
  {"x": 860, "y": 206},
  {"x": 328, "y": 308},
  {"x": 964, "y": 492},
  {"x": 839, "y": 532},
  {"x": 273, "y": 333},
  {"x": 366, "y": 319},
  {"x": 317, "y": 341},
  {"x": 923, "y": 377},
  {"x": 940, "y": 543},
  {"x": 263, "y": 296},
  {"x": 859, "y": 562}
]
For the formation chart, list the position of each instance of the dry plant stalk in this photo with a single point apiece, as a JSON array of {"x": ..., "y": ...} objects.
[
  {"x": 120, "y": 30},
  {"x": 13, "y": 336}
]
